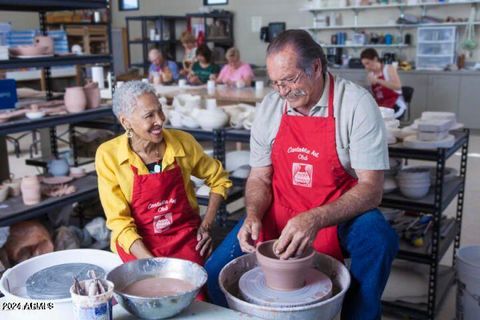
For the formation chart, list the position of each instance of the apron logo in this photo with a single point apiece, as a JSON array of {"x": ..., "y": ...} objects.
[
  {"x": 162, "y": 222},
  {"x": 302, "y": 174}
]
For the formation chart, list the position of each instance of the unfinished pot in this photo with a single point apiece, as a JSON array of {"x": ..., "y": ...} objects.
[
  {"x": 284, "y": 275},
  {"x": 31, "y": 193},
  {"x": 92, "y": 93},
  {"x": 45, "y": 41},
  {"x": 75, "y": 99}
]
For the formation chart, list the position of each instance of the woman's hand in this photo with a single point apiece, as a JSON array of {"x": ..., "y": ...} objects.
[
  {"x": 204, "y": 239},
  {"x": 372, "y": 78},
  {"x": 139, "y": 250}
]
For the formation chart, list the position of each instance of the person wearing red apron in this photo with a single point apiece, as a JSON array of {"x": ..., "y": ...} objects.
[
  {"x": 384, "y": 96},
  {"x": 303, "y": 181}
]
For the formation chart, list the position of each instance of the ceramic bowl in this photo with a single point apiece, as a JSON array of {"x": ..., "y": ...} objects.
[
  {"x": 189, "y": 122},
  {"x": 3, "y": 193},
  {"x": 414, "y": 191},
  {"x": 414, "y": 174},
  {"x": 32, "y": 115},
  {"x": 29, "y": 51},
  {"x": 156, "y": 307},
  {"x": 77, "y": 172},
  {"x": 284, "y": 275},
  {"x": 389, "y": 184},
  {"x": 212, "y": 119}
]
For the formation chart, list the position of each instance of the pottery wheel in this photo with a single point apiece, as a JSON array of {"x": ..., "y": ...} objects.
[
  {"x": 55, "y": 282},
  {"x": 254, "y": 289}
]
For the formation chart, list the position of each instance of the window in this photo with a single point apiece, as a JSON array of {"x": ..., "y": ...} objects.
[
  {"x": 124, "y": 5},
  {"x": 214, "y": 2}
]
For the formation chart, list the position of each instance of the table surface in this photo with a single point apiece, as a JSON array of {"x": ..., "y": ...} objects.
[{"x": 221, "y": 93}]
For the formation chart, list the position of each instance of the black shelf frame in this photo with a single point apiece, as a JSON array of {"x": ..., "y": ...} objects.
[
  {"x": 51, "y": 5},
  {"x": 54, "y": 61},
  {"x": 171, "y": 44}
]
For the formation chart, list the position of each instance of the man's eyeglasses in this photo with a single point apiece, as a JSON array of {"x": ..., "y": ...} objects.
[{"x": 281, "y": 84}]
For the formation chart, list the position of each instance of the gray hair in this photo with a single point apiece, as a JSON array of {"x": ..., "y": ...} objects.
[
  {"x": 125, "y": 97},
  {"x": 307, "y": 49}
]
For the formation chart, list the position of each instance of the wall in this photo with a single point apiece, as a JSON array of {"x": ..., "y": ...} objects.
[
  {"x": 20, "y": 20},
  {"x": 252, "y": 49}
]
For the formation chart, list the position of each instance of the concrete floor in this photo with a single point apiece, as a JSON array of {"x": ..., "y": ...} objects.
[{"x": 470, "y": 225}]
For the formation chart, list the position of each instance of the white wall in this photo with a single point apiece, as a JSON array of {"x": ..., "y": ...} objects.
[
  {"x": 252, "y": 49},
  {"x": 20, "y": 20}
]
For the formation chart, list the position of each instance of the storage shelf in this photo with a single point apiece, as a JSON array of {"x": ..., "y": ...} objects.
[
  {"x": 385, "y": 6},
  {"x": 390, "y": 26},
  {"x": 17, "y": 211},
  {"x": 15, "y": 63},
  {"x": 51, "y": 121},
  {"x": 42, "y": 162},
  {"x": 234, "y": 194},
  {"x": 434, "y": 55},
  {"x": 364, "y": 46},
  {"x": 50, "y": 5},
  {"x": 446, "y": 278},
  {"x": 93, "y": 24},
  {"x": 399, "y": 151},
  {"x": 426, "y": 204},
  {"x": 423, "y": 254},
  {"x": 197, "y": 133}
]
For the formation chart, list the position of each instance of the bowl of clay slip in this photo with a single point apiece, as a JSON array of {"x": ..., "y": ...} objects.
[{"x": 283, "y": 275}]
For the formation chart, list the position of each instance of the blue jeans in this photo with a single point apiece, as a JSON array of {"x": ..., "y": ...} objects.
[{"x": 368, "y": 240}]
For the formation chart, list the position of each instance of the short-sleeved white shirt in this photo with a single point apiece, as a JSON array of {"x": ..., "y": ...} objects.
[{"x": 360, "y": 129}]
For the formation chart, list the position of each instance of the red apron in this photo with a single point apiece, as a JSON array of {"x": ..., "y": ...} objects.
[
  {"x": 306, "y": 174},
  {"x": 164, "y": 217},
  {"x": 384, "y": 96}
]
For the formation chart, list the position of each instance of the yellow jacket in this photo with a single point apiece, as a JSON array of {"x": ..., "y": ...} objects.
[{"x": 115, "y": 178}]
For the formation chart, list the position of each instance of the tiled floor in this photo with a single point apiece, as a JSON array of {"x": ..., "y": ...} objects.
[{"x": 471, "y": 221}]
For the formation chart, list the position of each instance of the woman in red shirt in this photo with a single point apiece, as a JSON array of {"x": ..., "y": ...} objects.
[{"x": 385, "y": 82}]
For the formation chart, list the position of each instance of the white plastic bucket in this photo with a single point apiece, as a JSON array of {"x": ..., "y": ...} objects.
[{"x": 468, "y": 283}]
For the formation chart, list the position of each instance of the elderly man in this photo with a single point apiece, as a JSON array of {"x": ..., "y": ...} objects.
[
  {"x": 318, "y": 152},
  {"x": 161, "y": 71}
]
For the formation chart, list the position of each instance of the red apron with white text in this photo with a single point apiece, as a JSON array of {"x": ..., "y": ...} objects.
[
  {"x": 164, "y": 217},
  {"x": 306, "y": 174},
  {"x": 385, "y": 97}
]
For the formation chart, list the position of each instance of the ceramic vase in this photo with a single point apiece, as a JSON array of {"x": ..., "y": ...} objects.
[
  {"x": 283, "y": 275},
  {"x": 92, "y": 93},
  {"x": 58, "y": 167},
  {"x": 31, "y": 193},
  {"x": 75, "y": 99},
  {"x": 45, "y": 41}
]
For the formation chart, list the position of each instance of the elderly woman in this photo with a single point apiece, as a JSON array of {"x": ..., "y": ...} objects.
[
  {"x": 144, "y": 183},
  {"x": 235, "y": 72}
]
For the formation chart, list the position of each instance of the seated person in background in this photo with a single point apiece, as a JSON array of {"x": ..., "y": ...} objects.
[
  {"x": 204, "y": 69},
  {"x": 385, "y": 82},
  {"x": 161, "y": 71},
  {"x": 235, "y": 72},
  {"x": 188, "y": 42}
]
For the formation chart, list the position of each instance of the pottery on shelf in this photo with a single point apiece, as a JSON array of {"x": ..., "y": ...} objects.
[
  {"x": 283, "y": 275},
  {"x": 58, "y": 167},
  {"x": 45, "y": 41},
  {"x": 28, "y": 51},
  {"x": 92, "y": 93},
  {"x": 31, "y": 193},
  {"x": 211, "y": 119},
  {"x": 75, "y": 99},
  {"x": 77, "y": 172},
  {"x": 186, "y": 103},
  {"x": 14, "y": 187}
]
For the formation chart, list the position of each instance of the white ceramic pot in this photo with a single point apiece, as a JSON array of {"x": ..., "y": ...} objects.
[
  {"x": 414, "y": 191},
  {"x": 3, "y": 193},
  {"x": 212, "y": 119},
  {"x": 186, "y": 103},
  {"x": 190, "y": 122},
  {"x": 236, "y": 159}
]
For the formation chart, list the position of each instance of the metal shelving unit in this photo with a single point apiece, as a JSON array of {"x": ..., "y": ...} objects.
[
  {"x": 86, "y": 187},
  {"x": 170, "y": 45}
]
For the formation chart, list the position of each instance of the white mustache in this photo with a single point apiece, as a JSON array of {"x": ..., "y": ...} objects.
[{"x": 295, "y": 94}]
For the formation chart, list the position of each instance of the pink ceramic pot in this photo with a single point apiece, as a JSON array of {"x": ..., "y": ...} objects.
[
  {"x": 31, "y": 193},
  {"x": 75, "y": 99},
  {"x": 28, "y": 51},
  {"x": 283, "y": 275},
  {"x": 45, "y": 41},
  {"x": 92, "y": 92}
]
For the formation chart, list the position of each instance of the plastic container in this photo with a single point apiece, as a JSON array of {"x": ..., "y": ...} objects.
[{"x": 468, "y": 283}]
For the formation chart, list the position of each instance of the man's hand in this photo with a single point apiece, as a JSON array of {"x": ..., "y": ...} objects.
[
  {"x": 298, "y": 234},
  {"x": 248, "y": 233},
  {"x": 204, "y": 239}
]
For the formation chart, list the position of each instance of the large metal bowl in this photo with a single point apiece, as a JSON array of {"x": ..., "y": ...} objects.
[
  {"x": 324, "y": 310},
  {"x": 156, "y": 307}
]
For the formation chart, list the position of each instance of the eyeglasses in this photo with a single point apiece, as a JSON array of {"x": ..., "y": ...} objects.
[{"x": 281, "y": 84}]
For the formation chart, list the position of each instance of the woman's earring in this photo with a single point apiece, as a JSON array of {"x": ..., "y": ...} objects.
[{"x": 129, "y": 133}]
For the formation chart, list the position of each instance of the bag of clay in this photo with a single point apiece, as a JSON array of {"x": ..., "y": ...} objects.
[
  {"x": 98, "y": 229},
  {"x": 27, "y": 239},
  {"x": 65, "y": 238}
]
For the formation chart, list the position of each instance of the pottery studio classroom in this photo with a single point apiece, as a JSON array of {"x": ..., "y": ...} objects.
[{"x": 239, "y": 159}]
